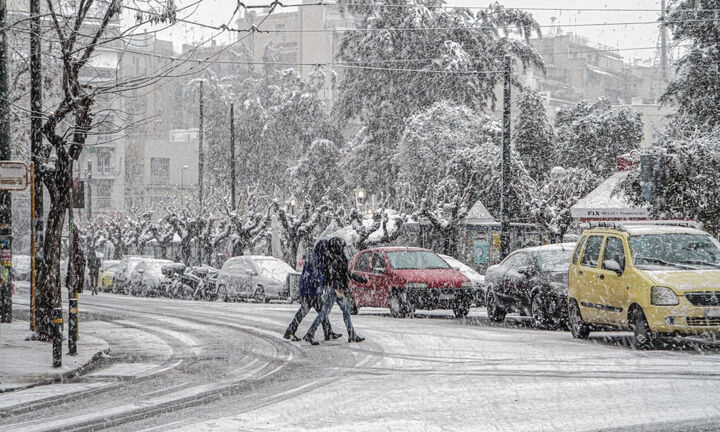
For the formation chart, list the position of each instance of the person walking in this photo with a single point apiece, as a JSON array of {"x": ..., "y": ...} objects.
[
  {"x": 93, "y": 268},
  {"x": 311, "y": 289},
  {"x": 336, "y": 276}
]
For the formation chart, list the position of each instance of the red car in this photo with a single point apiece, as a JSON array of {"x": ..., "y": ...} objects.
[{"x": 404, "y": 279}]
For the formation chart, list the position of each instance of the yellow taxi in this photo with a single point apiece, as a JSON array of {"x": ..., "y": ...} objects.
[
  {"x": 106, "y": 274},
  {"x": 654, "y": 279}
]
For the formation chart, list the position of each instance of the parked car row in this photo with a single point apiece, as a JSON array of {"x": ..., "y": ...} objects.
[{"x": 246, "y": 277}]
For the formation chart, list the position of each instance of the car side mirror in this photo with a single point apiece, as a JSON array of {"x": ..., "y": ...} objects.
[
  {"x": 612, "y": 265},
  {"x": 379, "y": 270}
]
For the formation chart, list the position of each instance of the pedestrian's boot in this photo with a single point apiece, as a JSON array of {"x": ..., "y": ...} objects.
[
  {"x": 353, "y": 337},
  {"x": 291, "y": 336},
  {"x": 309, "y": 339},
  {"x": 332, "y": 336}
]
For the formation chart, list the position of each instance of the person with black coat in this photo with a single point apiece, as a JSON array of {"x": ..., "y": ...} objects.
[
  {"x": 311, "y": 289},
  {"x": 336, "y": 277}
]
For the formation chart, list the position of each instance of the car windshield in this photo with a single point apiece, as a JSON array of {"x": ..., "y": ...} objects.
[
  {"x": 273, "y": 268},
  {"x": 554, "y": 261},
  {"x": 155, "y": 267},
  {"x": 402, "y": 260},
  {"x": 683, "y": 251}
]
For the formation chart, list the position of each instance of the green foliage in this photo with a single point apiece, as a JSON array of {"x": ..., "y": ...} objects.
[
  {"x": 696, "y": 90},
  {"x": 593, "y": 135}
]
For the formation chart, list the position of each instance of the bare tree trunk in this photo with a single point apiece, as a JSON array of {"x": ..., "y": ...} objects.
[{"x": 49, "y": 296}]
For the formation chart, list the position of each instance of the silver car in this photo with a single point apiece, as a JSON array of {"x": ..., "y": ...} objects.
[
  {"x": 255, "y": 276},
  {"x": 478, "y": 280}
]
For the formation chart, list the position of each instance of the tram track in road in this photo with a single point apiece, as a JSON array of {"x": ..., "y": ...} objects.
[{"x": 161, "y": 394}]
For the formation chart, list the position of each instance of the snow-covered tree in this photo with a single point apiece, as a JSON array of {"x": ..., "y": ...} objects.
[
  {"x": 593, "y": 135},
  {"x": 433, "y": 139},
  {"x": 696, "y": 89},
  {"x": 533, "y": 135},
  {"x": 691, "y": 185},
  {"x": 461, "y": 59},
  {"x": 550, "y": 204},
  {"x": 298, "y": 226},
  {"x": 317, "y": 174}
]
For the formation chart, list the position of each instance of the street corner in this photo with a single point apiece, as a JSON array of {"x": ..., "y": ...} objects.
[{"x": 28, "y": 363}]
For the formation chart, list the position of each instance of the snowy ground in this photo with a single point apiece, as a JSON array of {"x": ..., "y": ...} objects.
[{"x": 226, "y": 368}]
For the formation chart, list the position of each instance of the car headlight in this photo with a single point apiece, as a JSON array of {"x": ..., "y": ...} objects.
[
  {"x": 415, "y": 285},
  {"x": 663, "y": 296},
  {"x": 467, "y": 284}
]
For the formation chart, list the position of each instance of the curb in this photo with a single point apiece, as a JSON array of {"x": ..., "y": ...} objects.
[{"x": 92, "y": 364}]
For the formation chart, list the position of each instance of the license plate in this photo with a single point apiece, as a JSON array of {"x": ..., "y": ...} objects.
[
  {"x": 447, "y": 296},
  {"x": 712, "y": 313}
]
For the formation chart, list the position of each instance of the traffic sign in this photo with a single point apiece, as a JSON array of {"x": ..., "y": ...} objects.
[{"x": 13, "y": 176}]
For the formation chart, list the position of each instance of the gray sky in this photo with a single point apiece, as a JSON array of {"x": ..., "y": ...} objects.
[{"x": 624, "y": 36}]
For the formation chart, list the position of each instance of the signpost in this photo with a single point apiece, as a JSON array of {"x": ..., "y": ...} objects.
[{"x": 13, "y": 177}]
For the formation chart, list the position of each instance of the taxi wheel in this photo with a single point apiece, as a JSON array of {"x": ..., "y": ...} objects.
[
  {"x": 495, "y": 312},
  {"x": 539, "y": 312},
  {"x": 644, "y": 338},
  {"x": 578, "y": 327}
]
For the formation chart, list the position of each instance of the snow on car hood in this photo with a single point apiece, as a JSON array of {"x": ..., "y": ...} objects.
[
  {"x": 686, "y": 280},
  {"x": 434, "y": 278}
]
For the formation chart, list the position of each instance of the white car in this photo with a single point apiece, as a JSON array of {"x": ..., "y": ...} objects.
[
  {"x": 255, "y": 276},
  {"x": 478, "y": 280}
]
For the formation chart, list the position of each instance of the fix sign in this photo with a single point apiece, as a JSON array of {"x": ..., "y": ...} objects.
[{"x": 13, "y": 175}]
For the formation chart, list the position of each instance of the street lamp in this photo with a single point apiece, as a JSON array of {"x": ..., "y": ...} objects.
[
  {"x": 182, "y": 184},
  {"x": 360, "y": 195}
]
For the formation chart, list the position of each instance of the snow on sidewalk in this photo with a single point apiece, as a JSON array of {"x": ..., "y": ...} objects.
[{"x": 25, "y": 363}]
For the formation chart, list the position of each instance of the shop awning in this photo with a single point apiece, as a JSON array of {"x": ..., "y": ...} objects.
[{"x": 603, "y": 203}]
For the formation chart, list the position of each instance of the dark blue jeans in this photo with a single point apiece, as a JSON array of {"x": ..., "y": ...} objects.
[
  {"x": 307, "y": 303},
  {"x": 330, "y": 299}
]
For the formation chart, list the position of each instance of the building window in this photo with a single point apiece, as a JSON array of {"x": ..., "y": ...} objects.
[
  {"x": 159, "y": 171},
  {"x": 102, "y": 191},
  {"x": 104, "y": 160}
]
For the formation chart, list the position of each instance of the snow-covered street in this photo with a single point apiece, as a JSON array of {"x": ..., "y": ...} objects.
[{"x": 192, "y": 366}]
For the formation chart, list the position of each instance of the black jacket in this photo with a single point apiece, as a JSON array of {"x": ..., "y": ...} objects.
[{"x": 336, "y": 269}]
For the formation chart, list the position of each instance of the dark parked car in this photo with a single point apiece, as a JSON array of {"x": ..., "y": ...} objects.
[
  {"x": 404, "y": 279},
  {"x": 531, "y": 281}
]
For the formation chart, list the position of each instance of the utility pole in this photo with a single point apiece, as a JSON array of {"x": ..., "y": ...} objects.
[
  {"x": 232, "y": 155},
  {"x": 88, "y": 186},
  {"x": 36, "y": 157},
  {"x": 505, "y": 171},
  {"x": 201, "y": 156},
  {"x": 5, "y": 200},
  {"x": 663, "y": 44}
]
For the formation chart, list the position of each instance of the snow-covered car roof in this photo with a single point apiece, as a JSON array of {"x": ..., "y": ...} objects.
[
  {"x": 650, "y": 228},
  {"x": 550, "y": 247},
  {"x": 397, "y": 248}
]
